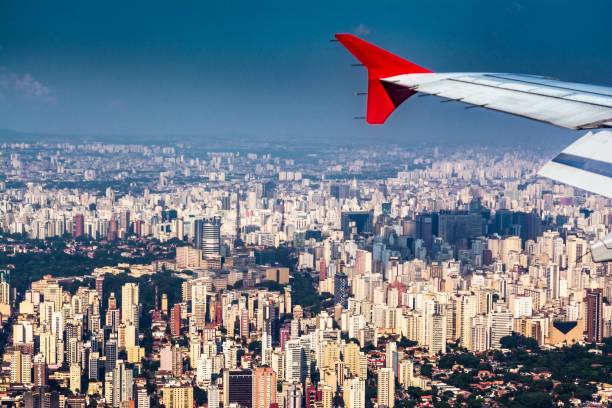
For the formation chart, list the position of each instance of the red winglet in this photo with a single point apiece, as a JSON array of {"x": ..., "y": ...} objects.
[{"x": 383, "y": 98}]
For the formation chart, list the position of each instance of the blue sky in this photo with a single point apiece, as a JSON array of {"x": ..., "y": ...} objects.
[{"x": 267, "y": 68}]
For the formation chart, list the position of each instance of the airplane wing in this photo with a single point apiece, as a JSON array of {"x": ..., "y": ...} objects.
[
  {"x": 564, "y": 104},
  {"x": 393, "y": 79},
  {"x": 585, "y": 164}
]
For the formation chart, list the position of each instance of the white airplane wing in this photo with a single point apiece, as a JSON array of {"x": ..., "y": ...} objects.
[
  {"x": 585, "y": 164},
  {"x": 569, "y": 105}
]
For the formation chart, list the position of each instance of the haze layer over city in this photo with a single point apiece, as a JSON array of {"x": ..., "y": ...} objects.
[{"x": 193, "y": 212}]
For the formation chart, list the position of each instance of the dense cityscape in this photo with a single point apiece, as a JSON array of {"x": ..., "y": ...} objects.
[{"x": 136, "y": 275}]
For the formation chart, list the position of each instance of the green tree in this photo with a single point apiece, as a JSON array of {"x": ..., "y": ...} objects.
[{"x": 427, "y": 370}]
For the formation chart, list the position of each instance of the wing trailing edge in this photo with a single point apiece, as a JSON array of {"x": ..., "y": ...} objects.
[{"x": 586, "y": 164}]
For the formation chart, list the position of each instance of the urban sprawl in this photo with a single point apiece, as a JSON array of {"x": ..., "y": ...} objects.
[{"x": 170, "y": 276}]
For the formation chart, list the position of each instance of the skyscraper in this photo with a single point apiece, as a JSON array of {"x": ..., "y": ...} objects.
[
  {"x": 351, "y": 358},
  {"x": 294, "y": 396},
  {"x": 122, "y": 384},
  {"x": 124, "y": 221},
  {"x": 175, "y": 320},
  {"x": 341, "y": 289},
  {"x": 297, "y": 361},
  {"x": 5, "y": 292},
  {"x": 94, "y": 357},
  {"x": 594, "y": 315},
  {"x": 237, "y": 387},
  {"x": 100, "y": 287},
  {"x": 142, "y": 399},
  {"x": 198, "y": 303},
  {"x": 177, "y": 361},
  {"x": 501, "y": 325},
  {"x": 386, "y": 388},
  {"x": 75, "y": 378},
  {"x": 213, "y": 396},
  {"x": 78, "y": 226},
  {"x": 113, "y": 230},
  {"x": 244, "y": 323},
  {"x": 391, "y": 356},
  {"x": 21, "y": 368},
  {"x": 178, "y": 397},
  {"x": 208, "y": 235},
  {"x": 39, "y": 398},
  {"x": 129, "y": 303},
  {"x": 438, "y": 335},
  {"x": 353, "y": 391},
  {"x": 264, "y": 387},
  {"x": 111, "y": 353},
  {"x": 138, "y": 227},
  {"x": 40, "y": 370}
]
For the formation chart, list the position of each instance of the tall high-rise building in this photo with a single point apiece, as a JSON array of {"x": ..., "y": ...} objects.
[
  {"x": 594, "y": 315},
  {"x": 363, "y": 262},
  {"x": 177, "y": 397},
  {"x": 75, "y": 378},
  {"x": 100, "y": 287},
  {"x": 322, "y": 270},
  {"x": 271, "y": 322},
  {"x": 208, "y": 235},
  {"x": 111, "y": 352},
  {"x": 351, "y": 358},
  {"x": 113, "y": 315},
  {"x": 466, "y": 310},
  {"x": 40, "y": 370},
  {"x": 353, "y": 391},
  {"x": 142, "y": 398},
  {"x": 48, "y": 347},
  {"x": 113, "y": 230},
  {"x": 341, "y": 289},
  {"x": 386, "y": 388},
  {"x": 294, "y": 396},
  {"x": 177, "y": 361},
  {"x": 122, "y": 384},
  {"x": 391, "y": 356},
  {"x": 238, "y": 241},
  {"x": 53, "y": 294},
  {"x": 213, "y": 396},
  {"x": 264, "y": 387},
  {"x": 175, "y": 320},
  {"x": 129, "y": 303},
  {"x": 39, "y": 397},
  {"x": 124, "y": 221},
  {"x": 501, "y": 325},
  {"x": 94, "y": 358},
  {"x": 78, "y": 226},
  {"x": 21, "y": 368},
  {"x": 438, "y": 334},
  {"x": 297, "y": 361},
  {"x": 405, "y": 375},
  {"x": 237, "y": 387},
  {"x": 480, "y": 334},
  {"x": 553, "y": 280},
  {"x": 5, "y": 287},
  {"x": 244, "y": 323},
  {"x": 198, "y": 303}
]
